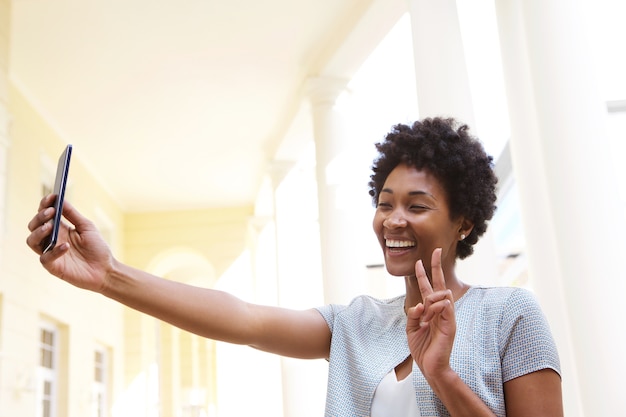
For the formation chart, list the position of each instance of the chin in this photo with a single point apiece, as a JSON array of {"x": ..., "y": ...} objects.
[
  {"x": 400, "y": 267},
  {"x": 399, "y": 272}
]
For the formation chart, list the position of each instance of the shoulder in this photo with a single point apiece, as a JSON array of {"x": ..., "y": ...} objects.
[
  {"x": 509, "y": 309},
  {"x": 498, "y": 294},
  {"x": 504, "y": 299},
  {"x": 513, "y": 319},
  {"x": 364, "y": 309}
]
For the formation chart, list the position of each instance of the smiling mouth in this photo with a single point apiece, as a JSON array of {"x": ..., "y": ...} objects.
[{"x": 399, "y": 243}]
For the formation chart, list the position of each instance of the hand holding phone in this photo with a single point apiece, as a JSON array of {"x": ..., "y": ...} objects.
[{"x": 60, "y": 183}]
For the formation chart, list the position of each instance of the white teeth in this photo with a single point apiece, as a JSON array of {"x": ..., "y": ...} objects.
[{"x": 399, "y": 243}]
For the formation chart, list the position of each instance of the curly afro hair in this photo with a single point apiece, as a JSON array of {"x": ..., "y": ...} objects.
[{"x": 444, "y": 148}]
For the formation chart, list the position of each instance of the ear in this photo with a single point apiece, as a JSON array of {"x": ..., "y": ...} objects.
[{"x": 465, "y": 228}]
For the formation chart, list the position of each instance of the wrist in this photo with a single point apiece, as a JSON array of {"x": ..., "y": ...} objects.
[
  {"x": 456, "y": 395},
  {"x": 110, "y": 276},
  {"x": 442, "y": 380}
]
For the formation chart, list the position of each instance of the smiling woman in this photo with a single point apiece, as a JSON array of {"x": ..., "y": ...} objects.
[{"x": 434, "y": 190}]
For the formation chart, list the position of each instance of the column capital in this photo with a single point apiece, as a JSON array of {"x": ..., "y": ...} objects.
[
  {"x": 324, "y": 90},
  {"x": 277, "y": 170},
  {"x": 257, "y": 223}
]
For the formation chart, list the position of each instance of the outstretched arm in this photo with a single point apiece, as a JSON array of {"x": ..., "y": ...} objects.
[
  {"x": 221, "y": 316},
  {"x": 83, "y": 259}
]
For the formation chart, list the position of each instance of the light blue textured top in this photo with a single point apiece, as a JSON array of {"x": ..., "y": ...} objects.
[{"x": 501, "y": 334}]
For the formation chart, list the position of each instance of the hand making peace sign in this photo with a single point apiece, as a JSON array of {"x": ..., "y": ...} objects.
[{"x": 431, "y": 324}]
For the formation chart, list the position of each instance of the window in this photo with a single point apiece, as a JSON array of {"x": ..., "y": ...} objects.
[
  {"x": 100, "y": 380},
  {"x": 47, "y": 373}
]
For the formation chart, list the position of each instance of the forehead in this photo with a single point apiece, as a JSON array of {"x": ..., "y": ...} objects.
[{"x": 405, "y": 179}]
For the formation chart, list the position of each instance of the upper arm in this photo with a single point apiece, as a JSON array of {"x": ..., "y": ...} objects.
[
  {"x": 294, "y": 333},
  {"x": 536, "y": 394},
  {"x": 530, "y": 352}
]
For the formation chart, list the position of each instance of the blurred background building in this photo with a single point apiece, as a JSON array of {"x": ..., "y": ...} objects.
[{"x": 228, "y": 145}]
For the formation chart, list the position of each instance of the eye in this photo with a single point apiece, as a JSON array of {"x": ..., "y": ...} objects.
[
  {"x": 383, "y": 205},
  {"x": 418, "y": 207}
]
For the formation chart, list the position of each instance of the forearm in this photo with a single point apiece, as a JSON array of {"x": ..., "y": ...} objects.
[
  {"x": 206, "y": 312},
  {"x": 457, "y": 396}
]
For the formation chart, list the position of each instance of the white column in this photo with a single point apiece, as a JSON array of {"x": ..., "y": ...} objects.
[
  {"x": 574, "y": 227},
  {"x": 528, "y": 165},
  {"x": 267, "y": 376},
  {"x": 343, "y": 270},
  {"x": 291, "y": 395},
  {"x": 298, "y": 285},
  {"x": 443, "y": 89},
  {"x": 440, "y": 69}
]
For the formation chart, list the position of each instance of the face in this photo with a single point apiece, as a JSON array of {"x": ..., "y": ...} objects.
[{"x": 412, "y": 219}]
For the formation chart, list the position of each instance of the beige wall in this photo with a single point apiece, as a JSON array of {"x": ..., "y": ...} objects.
[
  {"x": 195, "y": 246},
  {"x": 29, "y": 294},
  {"x": 5, "y": 24},
  {"x": 5, "y": 13},
  {"x": 217, "y": 235}
]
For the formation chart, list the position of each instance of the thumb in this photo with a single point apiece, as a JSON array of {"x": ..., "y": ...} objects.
[{"x": 79, "y": 221}]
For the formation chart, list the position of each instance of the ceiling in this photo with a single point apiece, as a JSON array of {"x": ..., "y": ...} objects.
[{"x": 182, "y": 104}]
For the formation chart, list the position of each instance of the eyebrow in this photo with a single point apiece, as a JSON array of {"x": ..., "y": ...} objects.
[{"x": 411, "y": 193}]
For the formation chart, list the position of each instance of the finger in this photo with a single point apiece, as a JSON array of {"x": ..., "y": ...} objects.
[
  {"x": 47, "y": 201},
  {"x": 415, "y": 312},
  {"x": 436, "y": 271},
  {"x": 415, "y": 317},
  {"x": 436, "y": 297},
  {"x": 44, "y": 216},
  {"x": 47, "y": 259},
  {"x": 38, "y": 235},
  {"x": 55, "y": 252},
  {"x": 422, "y": 280},
  {"x": 442, "y": 306}
]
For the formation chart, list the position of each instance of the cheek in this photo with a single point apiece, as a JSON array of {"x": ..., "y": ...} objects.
[{"x": 377, "y": 224}]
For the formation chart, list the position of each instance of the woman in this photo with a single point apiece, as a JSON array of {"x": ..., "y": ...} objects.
[{"x": 443, "y": 348}]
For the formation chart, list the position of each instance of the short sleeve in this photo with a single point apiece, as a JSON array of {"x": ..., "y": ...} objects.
[
  {"x": 525, "y": 340},
  {"x": 329, "y": 313}
]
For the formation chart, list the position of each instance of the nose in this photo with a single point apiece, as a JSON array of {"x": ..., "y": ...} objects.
[{"x": 394, "y": 220}]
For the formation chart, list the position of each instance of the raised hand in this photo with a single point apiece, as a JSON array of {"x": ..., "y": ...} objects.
[
  {"x": 81, "y": 257},
  {"x": 431, "y": 325}
]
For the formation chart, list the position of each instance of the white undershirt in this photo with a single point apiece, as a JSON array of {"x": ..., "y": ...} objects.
[{"x": 395, "y": 398}]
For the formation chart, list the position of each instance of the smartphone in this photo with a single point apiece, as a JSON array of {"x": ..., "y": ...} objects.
[{"x": 60, "y": 183}]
